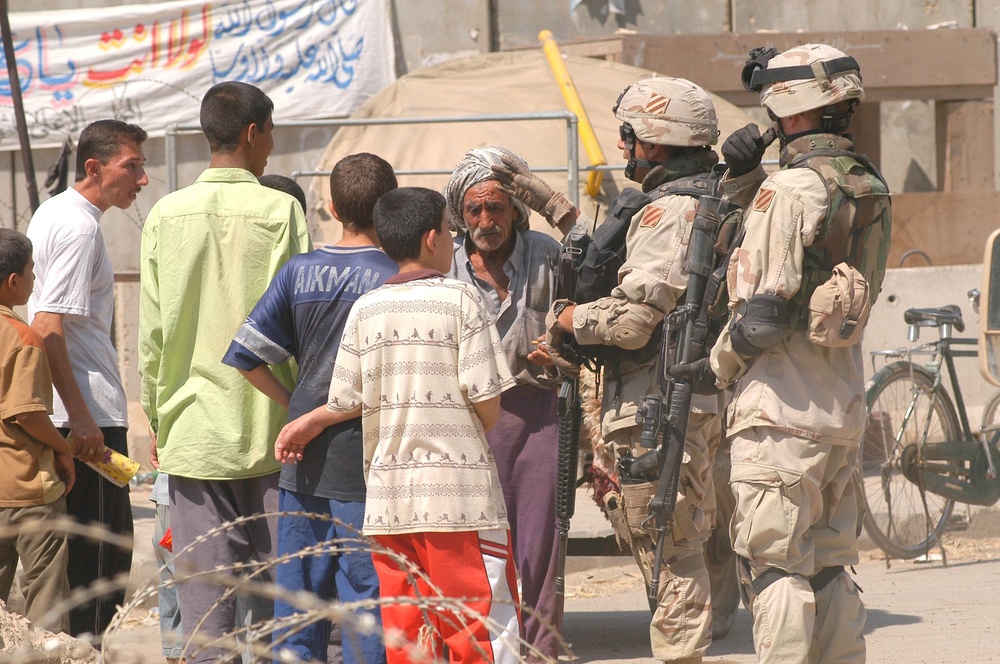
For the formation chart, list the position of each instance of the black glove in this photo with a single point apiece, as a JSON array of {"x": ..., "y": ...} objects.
[
  {"x": 743, "y": 150},
  {"x": 698, "y": 374}
]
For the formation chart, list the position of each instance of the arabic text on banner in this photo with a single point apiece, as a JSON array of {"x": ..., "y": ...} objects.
[{"x": 151, "y": 64}]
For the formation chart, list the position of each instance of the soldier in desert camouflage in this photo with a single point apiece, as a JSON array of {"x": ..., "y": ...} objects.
[
  {"x": 798, "y": 410},
  {"x": 668, "y": 128}
]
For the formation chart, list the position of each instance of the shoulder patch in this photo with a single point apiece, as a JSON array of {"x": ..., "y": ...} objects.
[
  {"x": 763, "y": 200},
  {"x": 651, "y": 217}
]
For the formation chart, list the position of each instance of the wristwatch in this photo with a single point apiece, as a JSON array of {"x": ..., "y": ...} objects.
[{"x": 557, "y": 310}]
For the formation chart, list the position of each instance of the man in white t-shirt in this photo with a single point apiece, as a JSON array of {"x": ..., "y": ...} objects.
[{"x": 72, "y": 308}]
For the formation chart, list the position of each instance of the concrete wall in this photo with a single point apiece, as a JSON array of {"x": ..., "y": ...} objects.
[{"x": 924, "y": 287}]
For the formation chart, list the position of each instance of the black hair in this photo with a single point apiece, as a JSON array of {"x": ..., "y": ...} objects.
[
  {"x": 15, "y": 252},
  {"x": 102, "y": 140},
  {"x": 356, "y": 183},
  {"x": 402, "y": 217},
  {"x": 285, "y": 184},
  {"x": 226, "y": 110}
]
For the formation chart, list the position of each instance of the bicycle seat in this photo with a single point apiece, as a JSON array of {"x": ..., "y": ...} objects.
[{"x": 950, "y": 314}]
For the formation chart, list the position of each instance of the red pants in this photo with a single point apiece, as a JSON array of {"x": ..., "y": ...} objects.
[{"x": 476, "y": 566}]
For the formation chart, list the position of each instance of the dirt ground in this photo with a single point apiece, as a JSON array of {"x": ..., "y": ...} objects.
[{"x": 918, "y": 612}]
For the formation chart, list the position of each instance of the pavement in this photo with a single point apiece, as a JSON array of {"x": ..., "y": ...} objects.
[{"x": 918, "y": 612}]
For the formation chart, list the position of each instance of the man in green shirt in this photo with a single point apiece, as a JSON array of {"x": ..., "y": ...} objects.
[{"x": 208, "y": 253}]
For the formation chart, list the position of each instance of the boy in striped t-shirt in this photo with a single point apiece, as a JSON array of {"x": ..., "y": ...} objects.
[{"x": 421, "y": 362}]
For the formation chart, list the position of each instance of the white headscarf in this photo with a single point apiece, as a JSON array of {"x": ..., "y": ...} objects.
[{"x": 474, "y": 168}]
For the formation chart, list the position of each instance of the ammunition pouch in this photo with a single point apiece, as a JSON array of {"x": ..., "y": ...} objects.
[
  {"x": 615, "y": 511},
  {"x": 637, "y": 497},
  {"x": 618, "y": 509}
]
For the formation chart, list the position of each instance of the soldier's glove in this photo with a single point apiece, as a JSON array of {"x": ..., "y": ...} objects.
[
  {"x": 517, "y": 181},
  {"x": 555, "y": 338},
  {"x": 698, "y": 374},
  {"x": 743, "y": 150}
]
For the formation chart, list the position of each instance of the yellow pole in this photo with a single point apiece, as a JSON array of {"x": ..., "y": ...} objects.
[{"x": 573, "y": 103}]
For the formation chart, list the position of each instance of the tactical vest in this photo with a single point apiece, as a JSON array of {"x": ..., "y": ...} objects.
[
  {"x": 605, "y": 253},
  {"x": 858, "y": 221}
]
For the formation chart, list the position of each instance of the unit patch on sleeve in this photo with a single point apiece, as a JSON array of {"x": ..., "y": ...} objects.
[
  {"x": 763, "y": 200},
  {"x": 651, "y": 217}
]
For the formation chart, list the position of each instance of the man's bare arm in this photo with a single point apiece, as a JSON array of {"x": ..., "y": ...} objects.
[
  {"x": 86, "y": 433},
  {"x": 488, "y": 411},
  {"x": 266, "y": 382},
  {"x": 298, "y": 433}
]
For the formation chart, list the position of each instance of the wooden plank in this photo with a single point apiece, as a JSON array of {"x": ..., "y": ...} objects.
[
  {"x": 988, "y": 16},
  {"x": 607, "y": 48},
  {"x": 965, "y": 145},
  {"x": 948, "y": 226},
  {"x": 849, "y": 15},
  {"x": 898, "y": 64},
  {"x": 866, "y": 127},
  {"x": 872, "y": 95}
]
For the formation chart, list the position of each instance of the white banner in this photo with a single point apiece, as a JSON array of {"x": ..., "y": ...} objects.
[{"x": 151, "y": 64}]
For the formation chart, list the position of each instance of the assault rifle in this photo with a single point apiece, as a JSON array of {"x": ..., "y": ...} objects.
[
  {"x": 664, "y": 419},
  {"x": 570, "y": 410}
]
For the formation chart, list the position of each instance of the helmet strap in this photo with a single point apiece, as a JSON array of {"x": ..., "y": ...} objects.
[
  {"x": 627, "y": 135},
  {"x": 831, "y": 122},
  {"x": 837, "y": 123}
]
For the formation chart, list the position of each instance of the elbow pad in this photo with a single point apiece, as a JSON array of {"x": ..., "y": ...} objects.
[{"x": 758, "y": 324}]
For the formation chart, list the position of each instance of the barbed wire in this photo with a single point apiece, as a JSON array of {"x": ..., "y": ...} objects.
[{"x": 252, "y": 578}]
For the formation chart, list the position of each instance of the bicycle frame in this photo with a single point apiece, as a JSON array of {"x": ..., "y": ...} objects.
[{"x": 942, "y": 351}]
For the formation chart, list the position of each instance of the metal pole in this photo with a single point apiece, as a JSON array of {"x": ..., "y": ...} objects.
[
  {"x": 572, "y": 140},
  {"x": 573, "y": 157},
  {"x": 170, "y": 149},
  {"x": 15, "y": 93}
]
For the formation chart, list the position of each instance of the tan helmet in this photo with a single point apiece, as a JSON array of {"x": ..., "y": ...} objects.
[
  {"x": 807, "y": 77},
  {"x": 669, "y": 111}
]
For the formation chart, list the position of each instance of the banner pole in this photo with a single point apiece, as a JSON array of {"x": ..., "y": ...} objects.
[{"x": 15, "y": 93}]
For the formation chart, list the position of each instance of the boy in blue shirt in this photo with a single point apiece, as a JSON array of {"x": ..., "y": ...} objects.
[{"x": 302, "y": 315}]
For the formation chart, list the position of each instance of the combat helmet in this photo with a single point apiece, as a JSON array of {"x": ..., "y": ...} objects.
[
  {"x": 665, "y": 111},
  {"x": 804, "y": 78}
]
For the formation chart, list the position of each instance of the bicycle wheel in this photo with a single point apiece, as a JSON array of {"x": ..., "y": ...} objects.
[
  {"x": 991, "y": 414},
  {"x": 904, "y": 409}
]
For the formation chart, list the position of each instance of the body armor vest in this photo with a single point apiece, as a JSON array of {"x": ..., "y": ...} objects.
[
  {"x": 605, "y": 253},
  {"x": 858, "y": 220}
]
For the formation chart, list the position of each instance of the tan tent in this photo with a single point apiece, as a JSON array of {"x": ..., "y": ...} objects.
[{"x": 498, "y": 83}]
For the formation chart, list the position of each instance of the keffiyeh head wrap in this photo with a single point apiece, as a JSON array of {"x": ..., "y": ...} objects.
[{"x": 474, "y": 168}]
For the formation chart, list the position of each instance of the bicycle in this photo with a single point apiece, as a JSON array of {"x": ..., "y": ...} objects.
[{"x": 919, "y": 455}]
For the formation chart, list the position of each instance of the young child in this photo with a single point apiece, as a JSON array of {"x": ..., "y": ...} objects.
[
  {"x": 285, "y": 184},
  {"x": 302, "y": 315},
  {"x": 36, "y": 466},
  {"x": 421, "y": 362}
]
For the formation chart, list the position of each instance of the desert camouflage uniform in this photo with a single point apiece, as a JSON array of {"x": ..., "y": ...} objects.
[
  {"x": 798, "y": 409},
  {"x": 651, "y": 282}
]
